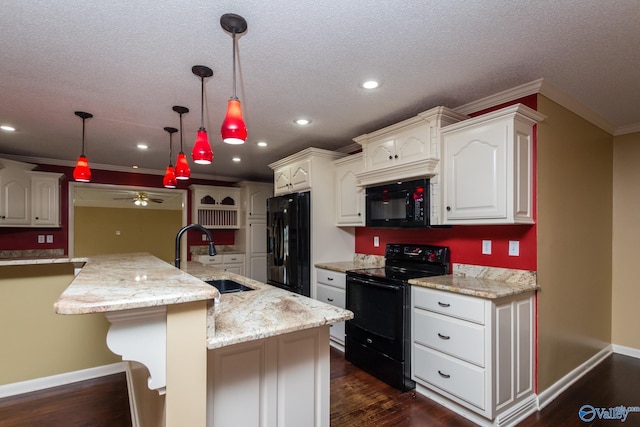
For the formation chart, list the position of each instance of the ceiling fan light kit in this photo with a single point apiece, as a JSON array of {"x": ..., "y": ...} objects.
[
  {"x": 82, "y": 173},
  {"x": 233, "y": 128}
]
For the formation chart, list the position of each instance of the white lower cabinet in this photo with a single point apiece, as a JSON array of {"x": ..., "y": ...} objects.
[
  {"x": 279, "y": 381},
  {"x": 473, "y": 354},
  {"x": 233, "y": 263},
  {"x": 331, "y": 289}
]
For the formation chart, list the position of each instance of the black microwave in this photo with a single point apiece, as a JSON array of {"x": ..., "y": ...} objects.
[{"x": 403, "y": 204}]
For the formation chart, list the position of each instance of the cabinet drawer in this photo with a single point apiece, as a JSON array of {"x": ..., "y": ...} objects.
[
  {"x": 233, "y": 258},
  {"x": 336, "y": 332},
  {"x": 458, "y": 338},
  {"x": 450, "y": 304},
  {"x": 209, "y": 260},
  {"x": 460, "y": 379},
  {"x": 331, "y": 295},
  {"x": 332, "y": 278}
]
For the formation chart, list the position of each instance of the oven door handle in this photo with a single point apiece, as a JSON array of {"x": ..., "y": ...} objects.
[{"x": 371, "y": 282}]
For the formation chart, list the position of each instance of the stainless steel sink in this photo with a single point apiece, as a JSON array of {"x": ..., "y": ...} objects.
[{"x": 227, "y": 286}]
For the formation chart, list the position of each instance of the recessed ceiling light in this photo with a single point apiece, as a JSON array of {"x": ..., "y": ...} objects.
[
  {"x": 142, "y": 146},
  {"x": 236, "y": 159},
  {"x": 370, "y": 84},
  {"x": 262, "y": 144},
  {"x": 302, "y": 122},
  {"x": 8, "y": 128}
]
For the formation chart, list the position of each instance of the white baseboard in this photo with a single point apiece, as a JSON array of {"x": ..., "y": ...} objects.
[
  {"x": 626, "y": 351},
  {"x": 550, "y": 394},
  {"x": 36, "y": 384}
]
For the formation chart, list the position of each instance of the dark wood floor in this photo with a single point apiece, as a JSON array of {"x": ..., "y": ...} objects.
[{"x": 359, "y": 399}]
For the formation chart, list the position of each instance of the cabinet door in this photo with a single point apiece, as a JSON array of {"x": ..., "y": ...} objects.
[
  {"x": 257, "y": 237},
  {"x": 234, "y": 268},
  {"x": 258, "y": 268},
  {"x": 282, "y": 180},
  {"x": 475, "y": 172},
  {"x": 45, "y": 205},
  {"x": 412, "y": 145},
  {"x": 300, "y": 175},
  {"x": 15, "y": 194},
  {"x": 257, "y": 203},
  {"x": 350, "y": 209},
  {"x": 337, "y": 297},
  {"x": 380, "y": 154}
]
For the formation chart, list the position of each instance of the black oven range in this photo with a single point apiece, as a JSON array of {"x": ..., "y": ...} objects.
[{"x": 378, "y": 338}]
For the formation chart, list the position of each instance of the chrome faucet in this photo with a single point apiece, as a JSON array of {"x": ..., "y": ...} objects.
[{"x": 212, "y": 248}]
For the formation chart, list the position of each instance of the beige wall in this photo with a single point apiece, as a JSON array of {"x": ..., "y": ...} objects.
[
  {"x": 36, "y": 342},
  {"x": 626, "y": 240},
  {"x": 141, "y": 230},
  {"x": 575, "y": 160}
]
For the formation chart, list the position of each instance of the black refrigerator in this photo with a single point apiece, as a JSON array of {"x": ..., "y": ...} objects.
[{"x": 288, "y": 242}]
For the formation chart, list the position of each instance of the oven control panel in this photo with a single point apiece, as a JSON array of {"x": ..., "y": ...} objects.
[{"x": 419, "y": 253}]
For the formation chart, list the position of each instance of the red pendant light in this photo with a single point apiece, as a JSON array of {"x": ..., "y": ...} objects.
[
  {"x": 182, "y": 166},
  {"x": 202, "y": 153},
  {"x": 82, "y": 173},
  {"x": 233, "y": 129},
  {"x": 169, "y": 180}
]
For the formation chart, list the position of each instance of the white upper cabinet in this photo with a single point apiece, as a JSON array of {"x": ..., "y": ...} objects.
[
  {"x": 488, "y": 169},
  {"x": 405, "y": 150},
  {"x": 292, "y": 177},
  {"x": 28, "y": 198},
  {"x": 45, "y": 199},
  {"x": 215, "y": 207},
  {"x": 15, "y": 190},
  {"x": 350, "y": 207}
]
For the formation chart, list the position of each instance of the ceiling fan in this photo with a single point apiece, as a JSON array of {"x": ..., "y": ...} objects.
[{"x": 140, "y": 199}]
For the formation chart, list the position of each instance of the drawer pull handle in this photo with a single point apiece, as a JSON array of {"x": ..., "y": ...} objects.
[
  {"x": 330, "y": 278},
  {"x": 444, "y": 375},
  {"x": 369, "y": 341},
  {"x": 330, "y": 299},
  {"x": 443, "y": 304},
  {"x": 444, "y": 337}
]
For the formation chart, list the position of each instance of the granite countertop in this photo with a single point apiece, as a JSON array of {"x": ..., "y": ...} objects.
[
  {"x": 42, "y": 260},
  {"x": 489, "y": 283},
  {"x": 358, "y": 261},
  {"x": 264, "y": 312},
  {"x": 125, "y": 281}
]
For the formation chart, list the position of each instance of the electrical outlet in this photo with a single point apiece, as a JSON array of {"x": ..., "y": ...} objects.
[
  {"x": 514, "y": 248},
  {"x": 204, "y": 237},
  {"x": 376, "y": 241},
  {"x": 49, "y": 238},
  {"x": 40, "y": 238},
  {"x": 486, "y": 247}
]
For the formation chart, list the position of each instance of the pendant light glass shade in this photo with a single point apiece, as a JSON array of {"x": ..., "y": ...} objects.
[
  {"x": 82, "y": 173},
  {"x": 233, "y": 128},
  {"x": 169, "y": 180},
  {"x": 202, "y": 153},
  {"x": 182, "y": 167},
  {"x": 183, "y": 172}
]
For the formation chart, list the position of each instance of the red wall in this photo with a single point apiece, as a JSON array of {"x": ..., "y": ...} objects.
[
  {"x": 27, "y": 238},
  {"x": 466, "y": 241}
]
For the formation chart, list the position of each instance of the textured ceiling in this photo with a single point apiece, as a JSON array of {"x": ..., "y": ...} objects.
[{"x": 128, "y": 63}]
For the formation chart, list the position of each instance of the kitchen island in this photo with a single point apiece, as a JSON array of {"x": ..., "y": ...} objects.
[{"x": 258, "y": 357}]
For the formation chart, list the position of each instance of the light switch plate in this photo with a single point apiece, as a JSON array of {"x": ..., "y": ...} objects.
[
  {"x": 376, "y": 241},
  {"x": 514, "y": 248},
  {"x": 40, "y": 238},
  {"x": 49, "y": 238},
  {"x": 486, "y": 247}
]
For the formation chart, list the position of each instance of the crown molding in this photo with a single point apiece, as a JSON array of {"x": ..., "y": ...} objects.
[
  {"x": 543, "y": 87},
  {"x": 112, "y": 168}
]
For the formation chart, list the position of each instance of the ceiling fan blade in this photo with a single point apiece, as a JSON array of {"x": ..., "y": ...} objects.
[
  {"x": 124, "y": 198},
  {"x": 157, "y": 200}
]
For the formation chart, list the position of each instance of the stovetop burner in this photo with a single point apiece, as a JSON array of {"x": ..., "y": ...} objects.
[{"x": 394, "y": 273}]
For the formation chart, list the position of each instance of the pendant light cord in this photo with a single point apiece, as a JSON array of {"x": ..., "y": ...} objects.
[
  {"x": 234, "y": 64},
  {"x": 83, "y": 137},
  {"x": 202, "y": 104},
  {"x": 170, "y": 148},
  {"x": 181, "y": 132}
]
